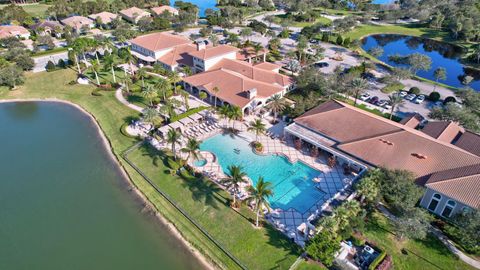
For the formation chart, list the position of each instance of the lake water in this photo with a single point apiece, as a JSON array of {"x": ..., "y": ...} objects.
[
  {"x": 202, "y": 5},
  {"x": 64, "y": 203},
  {"x": 442, "y": 55}
]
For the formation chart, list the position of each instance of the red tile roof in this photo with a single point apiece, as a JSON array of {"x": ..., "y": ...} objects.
[
  {"x": 159, "y": 41},
  {"x": 213, "y": 52}
]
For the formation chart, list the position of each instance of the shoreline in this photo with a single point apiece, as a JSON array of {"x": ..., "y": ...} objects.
[{"x": 126, "y": 178}]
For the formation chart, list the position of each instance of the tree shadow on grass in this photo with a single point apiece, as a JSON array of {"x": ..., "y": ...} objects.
[
  {"x": 157, "y": 156},
  {"x": 136, "y": 99},
  {"x": 203, "y": 190},
  {"x": 280, "y": 241}
]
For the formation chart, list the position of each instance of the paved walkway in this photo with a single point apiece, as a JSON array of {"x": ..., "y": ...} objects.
[
  {"x": 119, "y": 96},
  {"x": 447, "y": 242}
]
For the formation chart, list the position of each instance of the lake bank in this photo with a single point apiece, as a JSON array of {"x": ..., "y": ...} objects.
[{"x": 140, "y": 200}]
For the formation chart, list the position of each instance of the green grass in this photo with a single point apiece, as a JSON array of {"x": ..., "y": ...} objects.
[
  {"x": 48, "y": 52},
  {"x": 319, "y": 19},
  {"x": 36, "y": 10},
  {"x": 260, "y": 249},
  {"x": 422, "y": 254},
  {"x": 188, "y": 113},
  {"x": 309, "y": 265},
  {"x": 264, "y": 248}
]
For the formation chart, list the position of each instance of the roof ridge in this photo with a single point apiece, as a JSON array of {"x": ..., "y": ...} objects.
[{"x": 372, "y": 137}]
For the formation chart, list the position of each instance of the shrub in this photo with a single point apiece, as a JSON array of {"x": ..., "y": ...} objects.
[
  {"x": 434, "y": 96},
  {"x": 414, "y": 90},
  {"x": 386, "y": 263},
  {"x": 257, "y": 146},
  {"x": 50, "y": 66},
  {"x": 123, "y": 130},
  {"x": 61, "y": 64},
  {"x": 449, "y": 99},
  {"x": 339, "y": 40},
  {"x": 284, "y": 34},
  {"x": 347, "y": 42},
  {"x": 392, "y": 87},
  {"x": 377, "y": 261},
  {"x": 323, "y": 247},
  {"x": 325, "y": 37},
  {"x": 96, "y": 93},
  {"x": 172, "y": 164}
]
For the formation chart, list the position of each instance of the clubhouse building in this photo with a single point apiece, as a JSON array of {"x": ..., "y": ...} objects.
[{"x": 444, "y": 157}]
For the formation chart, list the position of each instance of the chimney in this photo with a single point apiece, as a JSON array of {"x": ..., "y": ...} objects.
[
  {"x": 200, "y": 45},
  {"x": 252, "y": 93}
]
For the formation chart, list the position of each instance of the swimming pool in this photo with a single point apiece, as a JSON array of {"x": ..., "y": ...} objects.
[{"x": 292, "y": 182}]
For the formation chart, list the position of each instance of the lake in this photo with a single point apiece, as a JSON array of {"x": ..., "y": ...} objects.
[
  {"x": 64, "y": 203},
  {"x": 201, "y": 4},
  {"x": 442, "y": 55}
]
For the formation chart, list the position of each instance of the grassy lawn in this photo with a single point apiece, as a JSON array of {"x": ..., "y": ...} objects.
[
  {"x": 308, "y": 265},
  {"x": 319, "y": 19},
  {"x": 259, "y": 249},
  {"x": 36, "y": 10},
  {"x": 264, "y": 248},
  {"x": 422, "y": 254}
]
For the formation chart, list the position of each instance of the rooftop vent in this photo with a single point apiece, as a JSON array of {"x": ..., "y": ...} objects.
[
  {"x": 419, "y": 156},
  {"x": 386, "y": 142}
]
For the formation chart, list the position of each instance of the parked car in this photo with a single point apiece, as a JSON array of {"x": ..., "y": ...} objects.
[
  {"x": 382, "y": 103},
  {"x": 402, "y": 93},
  {"x": 373, "y": 100},
  {"x": 410, "y": 97},
  {"x": 321, "y": 64},
  {"x": 387, "y": 106},
  {"x": 313, "y": 41},
  {"x": 365, "y": 96},
  {"x": 420, "y": 99},
  {"x": 223, "y": 42}
]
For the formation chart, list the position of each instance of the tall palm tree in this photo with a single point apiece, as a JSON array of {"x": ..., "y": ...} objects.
[
  {"x": 215, "y": 91},
  {"x": 109, "y": 61},
  {"x": 395, "y": 100},
  {"x": 150, "y": 115},
  {"x": 235, "y": 113},
  {"x": 235, "y": 176},
  {"x": 276, "y": 105},
  {"x": 149, "y": 93},
  {"x": 142, "y": 73},
  {"x": 257, "y": 47},
  {"x": 260, "y": 194},
  {"x": 174, "y": 78},
  {"x": 164, "y": 88},
  {"x": 224, "y": 112},
  {"x": 358, "y": 85},
  {"x": 192, "y": 148},
  {"x": 173, "y": 137},
  {"x": 95, "y": 68},
  {"x": 185, "y": 95},
  {"x": 257, "y": 126}
]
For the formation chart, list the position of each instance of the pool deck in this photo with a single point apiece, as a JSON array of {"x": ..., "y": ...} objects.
[{"x": 334, "y": 183}]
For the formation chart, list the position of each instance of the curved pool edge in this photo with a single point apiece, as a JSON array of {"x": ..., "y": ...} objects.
[{"x": 126, "y": 178}]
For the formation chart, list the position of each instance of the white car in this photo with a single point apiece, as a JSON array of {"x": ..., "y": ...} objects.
[
  {"x": 420, "y": 99},
  {"x": 410, "y": 97},
  {"x": 402, "y": 93},
  {"x": 365, "y": 96},
  {"x": 387, "y": 106},
  {"x": 382, "y": 103}
]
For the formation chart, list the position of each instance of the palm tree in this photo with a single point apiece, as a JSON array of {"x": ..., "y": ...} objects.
[
  {"x": 257, "y": 47},
  {"x": 216, "y": 90},
  {"x": 149, "y": 93},
  {"x": 235, "y": 113},
  {"x": 164, "y": 88},
  {"x": 257, "y": 126},
  {"x": 150, "y": 115},
  {"x": 185, "y": 95},
  {"x": 224, "y": 112},
  {"x": 235, "y": 177},
  {"x": 173, "y": 137},
  {"x": 109, "y": 61},
  {"x": 174, "y": 78},
  {"x": 440, "y": 74},
  {"x": 95, "y": 68},
  {"x": 192, "y": 149},
  {"x": 276, "y": 104},
  {"x": 395, "y": 100},
  {"x": 142, "y": 73},
  {"x": 358, "y": 85},
  {"x": 260, "y": 194},
  {"x": 214, "y": 39}
]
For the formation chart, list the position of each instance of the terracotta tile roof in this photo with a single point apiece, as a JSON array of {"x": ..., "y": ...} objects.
[
  {"x": 46, "y": 24},
  {"x": 161, "y": 9},
  {"x": 461, "y": 184},
  {"x": 159, "y": 41},
  {"x": 267, "y": 66},
  {"x": 412, "y": 120},
  {"x": 179, "y": 55},
  {"x": 252, "y": 72},
  {"x": 106, "y": 17},
  {"x": 232, "y": 85},
  {"x": 443, "y": 130},
  {"x": 470, "y": 142},
  {"x": 12, "y": 31},
  {"x": 77, "y": 21},
  {"x": 134, "y": 12},
  {"x": 212, "y": 52},
  {"x": 445, "y": 167}
]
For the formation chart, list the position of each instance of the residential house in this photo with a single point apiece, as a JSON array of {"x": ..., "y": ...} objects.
[
  {"x": 79, "y": 24},
  {"x": 48, "y": 28},
  {"x": 134, "y": 14},
  {"x": 104, "y": 17},
  {"x": 157, "y": 11},
  {"x": 7, "y": 31},
  {"x": 450, "y": 173}
]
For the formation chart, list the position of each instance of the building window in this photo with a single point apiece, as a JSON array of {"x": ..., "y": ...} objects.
[
  {"x": 447, "y": 211},
  {"x": 434, "y": 202}
]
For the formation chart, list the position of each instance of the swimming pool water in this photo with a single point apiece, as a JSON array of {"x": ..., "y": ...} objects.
[
  {"x": 292, "y": 182},
  {"x": 200, "y": 162}
]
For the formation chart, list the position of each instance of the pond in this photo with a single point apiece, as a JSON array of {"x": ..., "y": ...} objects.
[
  {"x": 201, "y": 4},
  {"x": 64, "y": 202},
  {"x": 442, "y": 54}
]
